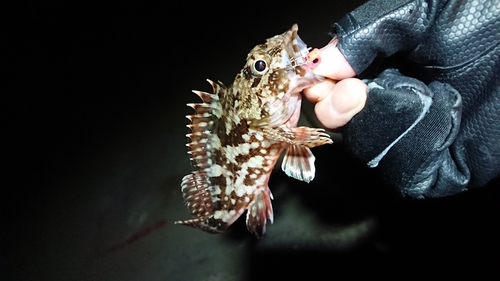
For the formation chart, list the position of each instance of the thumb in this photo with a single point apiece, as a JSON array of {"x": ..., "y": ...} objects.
[{"x": 339, "y": 102}]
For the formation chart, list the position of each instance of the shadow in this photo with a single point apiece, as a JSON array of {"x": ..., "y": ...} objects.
[
  {"x": 337, "y": 195},
  {"x": 404, "y": 230},
  {"x": 313, "y": 264}
]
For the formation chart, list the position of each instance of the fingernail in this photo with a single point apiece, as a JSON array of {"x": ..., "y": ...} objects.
[{"x": 313, "y": 58}]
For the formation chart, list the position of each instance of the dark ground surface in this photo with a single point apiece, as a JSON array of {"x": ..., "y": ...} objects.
[{"x": 95, "y": 152}]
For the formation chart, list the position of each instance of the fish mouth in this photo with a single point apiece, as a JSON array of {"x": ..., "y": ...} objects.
[
  {"x": 300, "y": 76},
  {"x": 295, "y": 56},
  {"x": 295, "y": 61},
  {"x": 296, "y": 50}
]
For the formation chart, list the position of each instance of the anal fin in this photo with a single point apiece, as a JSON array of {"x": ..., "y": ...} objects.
[
  {"x": 298, "y": 163},
  {"x": 258, "y": 212}
]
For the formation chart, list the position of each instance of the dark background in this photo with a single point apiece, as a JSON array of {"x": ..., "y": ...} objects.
[{"x": 94, "y": 150}]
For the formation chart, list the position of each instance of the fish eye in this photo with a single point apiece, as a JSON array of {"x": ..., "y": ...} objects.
[{"x": 259, "y": 67}]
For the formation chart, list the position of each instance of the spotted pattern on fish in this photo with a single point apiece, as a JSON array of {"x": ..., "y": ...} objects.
[{"x": 239, "y": 132}]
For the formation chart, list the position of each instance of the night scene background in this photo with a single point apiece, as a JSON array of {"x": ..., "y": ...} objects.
[{"x": 93, "y": 99}]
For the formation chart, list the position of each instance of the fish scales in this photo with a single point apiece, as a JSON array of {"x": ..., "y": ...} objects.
[{"x": 239, "y": 132}]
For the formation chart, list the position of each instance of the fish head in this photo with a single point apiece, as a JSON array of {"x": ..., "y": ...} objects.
[{"x": 268, "y": 86}]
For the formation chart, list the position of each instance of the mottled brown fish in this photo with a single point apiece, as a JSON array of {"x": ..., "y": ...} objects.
[{"x": 239, "y": 132}]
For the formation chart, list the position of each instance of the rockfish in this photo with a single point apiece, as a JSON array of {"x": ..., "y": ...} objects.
[{"x": 239, "y": 132}]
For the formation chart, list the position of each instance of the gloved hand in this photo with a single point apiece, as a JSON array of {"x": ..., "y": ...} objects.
[{"x": 431, "y": 129}]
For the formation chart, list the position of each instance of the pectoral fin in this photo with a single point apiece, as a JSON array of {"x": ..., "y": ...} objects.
[
  {"x": 303, "y": 136},
  {"x": 298, "y": 163}
]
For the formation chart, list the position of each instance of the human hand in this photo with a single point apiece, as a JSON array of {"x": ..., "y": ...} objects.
[{"x": 340, "y": 97}]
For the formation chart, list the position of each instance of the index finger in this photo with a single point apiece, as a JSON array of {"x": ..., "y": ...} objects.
[{"x": 333, "y": 63}]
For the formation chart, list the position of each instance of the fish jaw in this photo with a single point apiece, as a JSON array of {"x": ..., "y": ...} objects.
[
  {"x": 299, "y": 76},
  {"x": 295, "y": 55}
]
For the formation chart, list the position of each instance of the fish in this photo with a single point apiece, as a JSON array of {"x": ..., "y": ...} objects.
[{"x": 239, "y": 132}]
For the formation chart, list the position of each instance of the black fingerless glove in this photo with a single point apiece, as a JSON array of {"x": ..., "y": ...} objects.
[
  {"x": 437, "y": 133},
  {"x": 405, "y": 131}
]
